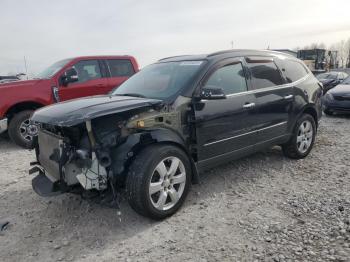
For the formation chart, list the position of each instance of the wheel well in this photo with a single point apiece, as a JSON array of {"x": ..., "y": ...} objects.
[
  {"x": 142, "y": 146},
  {"x": 21, "y": 107},
  {"x": 311, "y": 111}
]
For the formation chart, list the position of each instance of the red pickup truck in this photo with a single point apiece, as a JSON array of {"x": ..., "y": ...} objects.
[{"x": 64, "y": 80}]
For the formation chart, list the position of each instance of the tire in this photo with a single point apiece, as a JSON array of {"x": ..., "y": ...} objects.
[
  {"x": 15, "y": 127},
  {"x": 294, "y": 147},
  {"x": 143, "y": 171}
]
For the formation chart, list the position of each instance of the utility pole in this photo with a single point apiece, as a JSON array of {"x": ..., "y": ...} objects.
[
  {"x": 25, "y": 66},
  {"x": 231, "y": 44}
]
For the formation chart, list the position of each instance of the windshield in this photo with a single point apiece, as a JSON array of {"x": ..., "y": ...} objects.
[
  {"x": 53, "y": 69},
  {"x": 346, "y": 81},
  {"x": 161, "y": 80},
  {"x": 327, "y": 76}
]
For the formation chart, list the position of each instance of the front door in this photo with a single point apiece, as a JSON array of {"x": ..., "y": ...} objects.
[
  {"x": 225, "y": 125},
  {"x": 90, "y": 81}
]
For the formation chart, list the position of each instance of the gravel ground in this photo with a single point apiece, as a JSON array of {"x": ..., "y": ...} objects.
[{"x": 264, "y": 208}]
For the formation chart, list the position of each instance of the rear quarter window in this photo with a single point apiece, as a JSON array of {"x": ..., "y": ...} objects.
[
  {"x": 293, "y": 70},
  {"x": 264, "y": 74}
]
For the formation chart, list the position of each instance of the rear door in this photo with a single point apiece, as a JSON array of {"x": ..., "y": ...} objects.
[
  {"x": 90, "y": 81},
  {"x": 274, "y": 98},
  {"x": 119, "y": 70},
  {"x": 225, "y": 125}
]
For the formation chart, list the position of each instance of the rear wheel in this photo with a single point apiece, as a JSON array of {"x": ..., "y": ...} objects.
[
  {"x": 303, "y": 138},
  {"x": 21, "y": 130},
  {"x": 158, "y": 181}
]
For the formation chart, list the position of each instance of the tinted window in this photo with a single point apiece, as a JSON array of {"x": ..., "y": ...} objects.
[
  {"x": 264, "y": 74},
  {"x": 230, "y": 78},
  {"x": 119, "y": 67},
  {"x": 87, "y": 70},
  {"x": 293, "y": 70}
]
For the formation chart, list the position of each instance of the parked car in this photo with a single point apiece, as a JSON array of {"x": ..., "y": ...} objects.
[
  {"x": 154, "y": 134},
  {"x": 337, "y": 100},
  {"x": 331, "y": 79},
  {"x": 64, "y": 80}
]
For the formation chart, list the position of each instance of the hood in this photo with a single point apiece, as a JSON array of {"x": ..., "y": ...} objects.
[
  {"x": 22, "y": 83},
  {"x": 77, "y": 111},
  {"x": 340, "y": 90}
]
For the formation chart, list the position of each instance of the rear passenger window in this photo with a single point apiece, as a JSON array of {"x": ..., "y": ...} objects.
[
  {"x": 293, "y": 70},
  {"x": 119, "y": 67},
  {"x": 264, "y": 74},
  {"x": 230, "y": 78},
  {"x": 87, "y": 70}
]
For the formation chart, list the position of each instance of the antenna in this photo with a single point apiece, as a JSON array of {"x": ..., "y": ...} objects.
[{"x": 25, "y": 66}]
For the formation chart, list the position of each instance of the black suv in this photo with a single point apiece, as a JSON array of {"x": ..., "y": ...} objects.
[{"x": 152, "y": 136}]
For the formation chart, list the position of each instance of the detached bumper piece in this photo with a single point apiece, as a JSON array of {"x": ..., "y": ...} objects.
[
  {"x": 3, "y": 125},
  {"x": 43, "y": 186}
]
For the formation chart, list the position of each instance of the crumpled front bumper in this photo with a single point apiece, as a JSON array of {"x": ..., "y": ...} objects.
[{"x": 3, "y": 125}]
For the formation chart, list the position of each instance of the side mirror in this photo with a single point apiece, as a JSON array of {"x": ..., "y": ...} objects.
[
  {"x": 212, "y": 93},
  {"x": 70, "y": 76}
]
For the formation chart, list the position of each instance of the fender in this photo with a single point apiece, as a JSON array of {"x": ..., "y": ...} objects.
[
  {"x": 311, "y": 109},
  {"x": 123, "y": 154}
]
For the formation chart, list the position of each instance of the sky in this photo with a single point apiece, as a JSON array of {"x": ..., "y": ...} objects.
[{"x": 47, "y": 31}]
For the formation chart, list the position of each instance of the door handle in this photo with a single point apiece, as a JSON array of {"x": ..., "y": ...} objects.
[
  {"x": 288, "y": 97},
  {"x": 249, "y": 105}
]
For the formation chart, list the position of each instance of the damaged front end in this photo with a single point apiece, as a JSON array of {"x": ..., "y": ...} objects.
[
  {"x": 88, "y": 156},
  {"x": 65, "y": 165}
]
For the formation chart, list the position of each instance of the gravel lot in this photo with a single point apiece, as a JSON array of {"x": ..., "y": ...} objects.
[{"x": 264, "y": 208}]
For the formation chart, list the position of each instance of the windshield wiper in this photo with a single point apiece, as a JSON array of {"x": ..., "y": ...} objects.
[{"x": 131, "y": 94}]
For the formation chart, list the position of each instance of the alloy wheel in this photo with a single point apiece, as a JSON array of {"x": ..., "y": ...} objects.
[
  {"x": 167, "y": 183},
  {"x": 28, "y": 130},
  {"x": 305, "y": 136}
]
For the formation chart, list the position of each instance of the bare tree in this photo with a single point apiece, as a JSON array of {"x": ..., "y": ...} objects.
[{"x": 347, "y": 46}]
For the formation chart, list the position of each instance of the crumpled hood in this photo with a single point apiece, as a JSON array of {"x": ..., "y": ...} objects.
[
  {"x": 340, "y": 90},
  {"x": 21, "y": 83},
  {"x": 76, "y": 111}
]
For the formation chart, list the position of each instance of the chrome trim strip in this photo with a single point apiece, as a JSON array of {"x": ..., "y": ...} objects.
[
  {"x": 270, "y": 88},
  {"x": 255, "y": 131}
]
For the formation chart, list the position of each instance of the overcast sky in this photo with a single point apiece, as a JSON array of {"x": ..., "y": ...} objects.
[{"x": 47, "y": 31}]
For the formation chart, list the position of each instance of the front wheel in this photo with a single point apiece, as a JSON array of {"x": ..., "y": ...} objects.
[
  {"x": 158, "y": 181},
  {"x": 303, "y": 138},
  {"x": 21, "y": 130}
]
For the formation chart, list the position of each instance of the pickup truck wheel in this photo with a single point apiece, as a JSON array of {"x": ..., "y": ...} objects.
[
  {"x": 303, "y": 138},
  {"x": 158, "y": 181},
  {"x": 21, "y": 131}
]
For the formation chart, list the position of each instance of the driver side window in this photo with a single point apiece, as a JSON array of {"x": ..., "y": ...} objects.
[
  {"x": 87, "y": 70},
  {"x": 230, "y": 78}
]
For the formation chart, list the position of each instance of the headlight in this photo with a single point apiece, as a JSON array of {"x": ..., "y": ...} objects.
[{"x": 329, "y": 96}]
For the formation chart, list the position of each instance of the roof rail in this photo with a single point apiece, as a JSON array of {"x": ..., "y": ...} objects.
[
  {"x": 221, "y": 52},
  {"x": 171, "y": 57}
]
